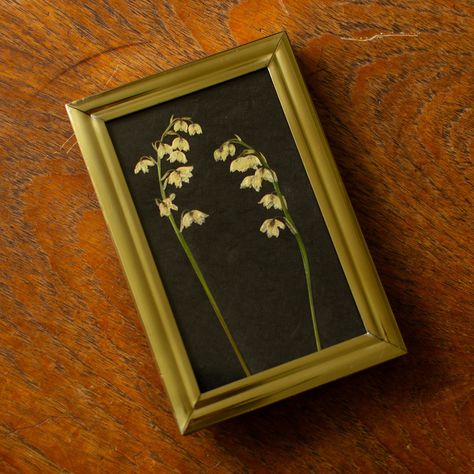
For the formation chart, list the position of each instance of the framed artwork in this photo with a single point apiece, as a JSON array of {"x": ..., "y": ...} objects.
[{"x": 243, "y": 254}]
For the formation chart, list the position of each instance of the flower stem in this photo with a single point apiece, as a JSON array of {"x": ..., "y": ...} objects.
[
  {"x": 301, "y": 247},
  {"x": 304, "y": 257},
  {"x": 200, "y": 276},
  {"x": 209, "y": 294}
]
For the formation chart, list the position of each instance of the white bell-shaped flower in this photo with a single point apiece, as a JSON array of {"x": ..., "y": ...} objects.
[
  {"x": 192, "y": 217},
  {"x": 271, "y": 200},
  {"x": 245, "y": 163},
  {"x": 163, "y": 149},
  {"x": 272, "y": 227},
  {"x": 180, "y": 143},
  {"x": 180, "y": 126},
  {"x": 177, "y": 155},
  {"x": 179, "y": 176},
  {"x": 194, "y": 129},
  {"x": 166, "y": 205},
  {"x": 143, "y": 164},
  {"x": 225, "y": 150}
]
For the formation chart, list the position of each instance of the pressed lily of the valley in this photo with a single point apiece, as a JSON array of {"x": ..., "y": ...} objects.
[{"x": 243, "y": 254}]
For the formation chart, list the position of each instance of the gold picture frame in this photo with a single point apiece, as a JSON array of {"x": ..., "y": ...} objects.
[{"x": 193, "y": 409}]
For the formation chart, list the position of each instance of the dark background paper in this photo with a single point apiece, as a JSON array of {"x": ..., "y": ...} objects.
[{"x": 258, "y": 282}]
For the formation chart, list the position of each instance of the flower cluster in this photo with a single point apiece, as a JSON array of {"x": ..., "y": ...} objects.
[
  {"x": 172, "y": 147},
  {"x": 252, "y": 160}
]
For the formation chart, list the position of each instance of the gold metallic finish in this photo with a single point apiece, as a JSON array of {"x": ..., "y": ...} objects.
[{"x": 194, "y": 410}]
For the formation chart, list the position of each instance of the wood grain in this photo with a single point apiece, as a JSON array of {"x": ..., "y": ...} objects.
[{"x": 79, "y": 392}]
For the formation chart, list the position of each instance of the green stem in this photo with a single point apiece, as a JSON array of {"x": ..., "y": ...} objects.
[
  {"x": 304, "y": 257},
  {"x": 301, "y": 247},
  {"x": 199, "y": 274},
  {"x": 209, "y": 294}
]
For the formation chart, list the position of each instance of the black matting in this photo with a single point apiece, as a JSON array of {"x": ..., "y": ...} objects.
[{"x": 258, "y": 282}]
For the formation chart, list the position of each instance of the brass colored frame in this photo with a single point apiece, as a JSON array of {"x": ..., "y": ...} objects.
[{"x": 193, "y": 409}]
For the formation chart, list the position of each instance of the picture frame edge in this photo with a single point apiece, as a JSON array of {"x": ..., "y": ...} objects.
[
  {"x": 369, "y": 354},
  {"x": 334, "y": 202},
  {"x": 165, "y": 343}
]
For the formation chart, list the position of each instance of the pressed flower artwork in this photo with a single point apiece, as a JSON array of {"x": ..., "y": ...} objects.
[
  {"x": 235, "y": 230},
  {"x": 171, "y": 148},
  {"x": 255, "y": 161}
]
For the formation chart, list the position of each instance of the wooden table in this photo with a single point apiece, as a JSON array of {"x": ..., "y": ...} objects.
[{"x": 79, "y": 392}]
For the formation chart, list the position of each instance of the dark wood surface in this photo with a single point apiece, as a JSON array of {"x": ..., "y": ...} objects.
[{"x": 79, "y": 392}]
